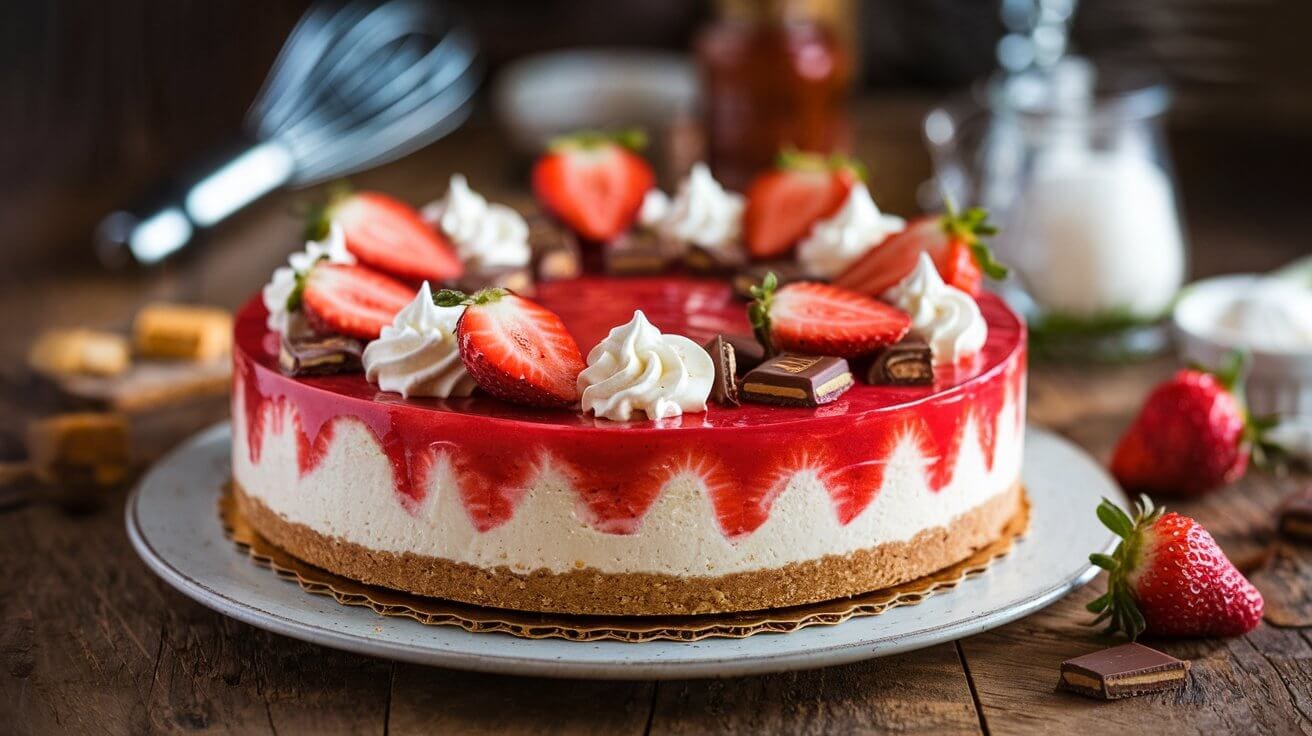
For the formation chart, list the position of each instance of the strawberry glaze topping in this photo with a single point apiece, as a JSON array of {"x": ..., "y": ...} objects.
[{"x": 745, "y": 456}]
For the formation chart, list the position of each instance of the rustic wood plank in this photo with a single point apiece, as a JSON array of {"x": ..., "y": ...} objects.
[
  {"x": 431, "y": 700},
  {"x": 921, "y": 692}
]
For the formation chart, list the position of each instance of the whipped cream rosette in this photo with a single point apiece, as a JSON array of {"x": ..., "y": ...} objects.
[
  {"x": 702, "y": 213},
  {"x": 485, "y": 234},
  {"x": 835, "y": 243},
  {"x": 638, "y": 369},
  {"x": 944, "y": 316},
  {"x": 417, "y": 354},
  {"x": 284, "y": 317}
]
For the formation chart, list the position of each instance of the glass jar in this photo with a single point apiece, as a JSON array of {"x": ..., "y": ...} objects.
[
  {"x": 774, "y": 74},
  {"x": 1073, "y": 166}
]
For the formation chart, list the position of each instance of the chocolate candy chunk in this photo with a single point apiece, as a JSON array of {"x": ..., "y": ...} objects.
[
  {"x": 1124, "y": 671},
  {"x": 725, "y": 388},
  {"x": 556, "y": 252},
  {"x": 790, "y": 379},
  {"x": 1295, "y": 515},
  {"x": 518, "y": 279},
  {"x": 636, "y": 253},
  {"x": 753, "y": 273},
  {"x": 319, "y": 355},
  {"x": 747, "y": 352},
  {"x": 701, "y": 260},
  {"x": 908, "y": 362}
]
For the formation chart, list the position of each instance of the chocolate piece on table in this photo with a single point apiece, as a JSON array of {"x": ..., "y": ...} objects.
[
  {"x": 1294, "y": 518},
  {"x": 790, "y": 379},
  {"x": 747, "y": 352},
  {"x": 556, "y": 252},
  {"x": 725, "y": 387},
  {"x": 80, "y": 352},
  {"x": 635, "y": 253},
  {"x": 753, "y": 273},
  {"x": 319, "y": 355},
  {"x": 518, "y": 279},
  {"x": 182, "y": 332},
  {"x": 1123, "y": 671},
  {"x": 908, "y": 362}
]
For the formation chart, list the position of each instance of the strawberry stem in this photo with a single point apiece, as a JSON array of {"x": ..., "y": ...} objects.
[
  {"x": 319, "y": 215},
  {"x": 634, "y": 139},
  {"x": 450, "y": 298},
  {"x": 793, "y": 159},
  {"x": 1265, "y": 453},
  {"x": 758, "y": 312},
  {"x": 970, "y": 226},
  {"x": 1118, "y": 606}
]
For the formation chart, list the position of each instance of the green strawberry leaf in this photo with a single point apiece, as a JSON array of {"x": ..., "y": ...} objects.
[
  {"x": 758, "y": 311},
  {"x": 1114, "y": 518}
]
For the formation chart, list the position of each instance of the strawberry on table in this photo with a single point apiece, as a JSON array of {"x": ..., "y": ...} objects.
[
  {"x": 351, "y": 300},
  {"x": 1168, "y": 577},
  {"x": 818, "y": 319},
  {"x": 784, "y": 202},
  {"x": 1191, "y": 436},
  {"x": 952, "y": 241},
  {"x": 389, "y": 235},
  {"x": 515, "y": 349},
  {"x": 594, "y": 182}
]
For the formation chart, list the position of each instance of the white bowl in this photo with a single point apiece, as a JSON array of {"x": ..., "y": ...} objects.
[
  {"x": 1279, "y": 381},
  {"x": 542, "y": 96}
]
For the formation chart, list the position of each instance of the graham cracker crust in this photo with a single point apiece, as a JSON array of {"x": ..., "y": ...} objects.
[{"x": 591, "y": 592}]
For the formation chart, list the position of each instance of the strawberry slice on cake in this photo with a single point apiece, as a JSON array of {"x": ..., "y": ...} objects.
[
  {"x": 352, "y": 300},
  {"x": 389, "y": 235},
  {"x": 818, "y": 319},
  {"x": 785, "y": 202},
  {"x": 593, "y": 182},
  {"x": 515, "y": 349}
]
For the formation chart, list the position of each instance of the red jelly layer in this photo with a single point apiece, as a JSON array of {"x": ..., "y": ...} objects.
[{"x": 744, "y": 454}]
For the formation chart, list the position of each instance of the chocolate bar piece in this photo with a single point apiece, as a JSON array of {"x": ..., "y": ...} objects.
[
  {"x": 1295, "y": 515},
  {"x": 636, "y": 253},
  {"x": 701, "y": 260},
  {"x": 319, "y": 355},
  {"x": 754, "y": 273},
  {"x": 725, "y": 388},
  {"x": 79, "y": 352},
  {"x": 182, "y": 332},
  {"x": 790, "y": 379},
  {"x": 747, "y": 352},
  {"x": 518, "y": 279},
  {"x": 908, "y": 362},
  {"x": 556, "y": 253},
  {"x": 1122, "y": 672}
]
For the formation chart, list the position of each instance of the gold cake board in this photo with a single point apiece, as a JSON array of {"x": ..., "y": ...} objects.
[{"x": 439, "y": 612}]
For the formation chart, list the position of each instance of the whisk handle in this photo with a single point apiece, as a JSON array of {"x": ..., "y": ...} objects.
[{"x": 168, "y": 221}]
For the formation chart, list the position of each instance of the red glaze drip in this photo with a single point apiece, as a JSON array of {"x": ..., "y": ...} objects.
[{"x": 744, "y": 456}]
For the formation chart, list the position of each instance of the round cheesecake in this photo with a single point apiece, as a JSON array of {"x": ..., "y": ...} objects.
[{"x": 740, "y": 508}]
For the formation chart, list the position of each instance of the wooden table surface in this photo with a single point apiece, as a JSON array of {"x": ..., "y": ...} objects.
[{"x": 91, "y": 642}]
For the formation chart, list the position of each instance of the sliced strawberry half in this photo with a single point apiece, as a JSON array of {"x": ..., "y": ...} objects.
[
  {"x": 818, "y": 319},
  {"x": 389, "y": 235},
  {"x": 594, "y": 182},
  {"x": 952, "y": 240},
  {"x": 515, "y": 349},
  {"x": 352, "y": 300},
  {"x": 785, "y": 202}
]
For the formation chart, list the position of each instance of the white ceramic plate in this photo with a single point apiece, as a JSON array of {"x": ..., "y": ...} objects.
[{"x": 172, "y": 519}]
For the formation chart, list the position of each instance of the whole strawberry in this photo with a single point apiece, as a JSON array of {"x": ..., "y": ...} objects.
[
  {"x": 1168, "y": 577},
  {"x": 1191, "y": 436}
]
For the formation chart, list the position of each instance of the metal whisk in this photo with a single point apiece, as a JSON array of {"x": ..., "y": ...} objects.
[{"x": 355, "y": 86}]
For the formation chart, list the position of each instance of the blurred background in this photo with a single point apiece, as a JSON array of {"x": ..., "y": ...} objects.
[{"x": 100, "y": 100}]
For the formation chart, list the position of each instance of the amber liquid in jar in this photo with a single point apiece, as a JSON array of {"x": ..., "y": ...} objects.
[{"x": 774, "y": 75}]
